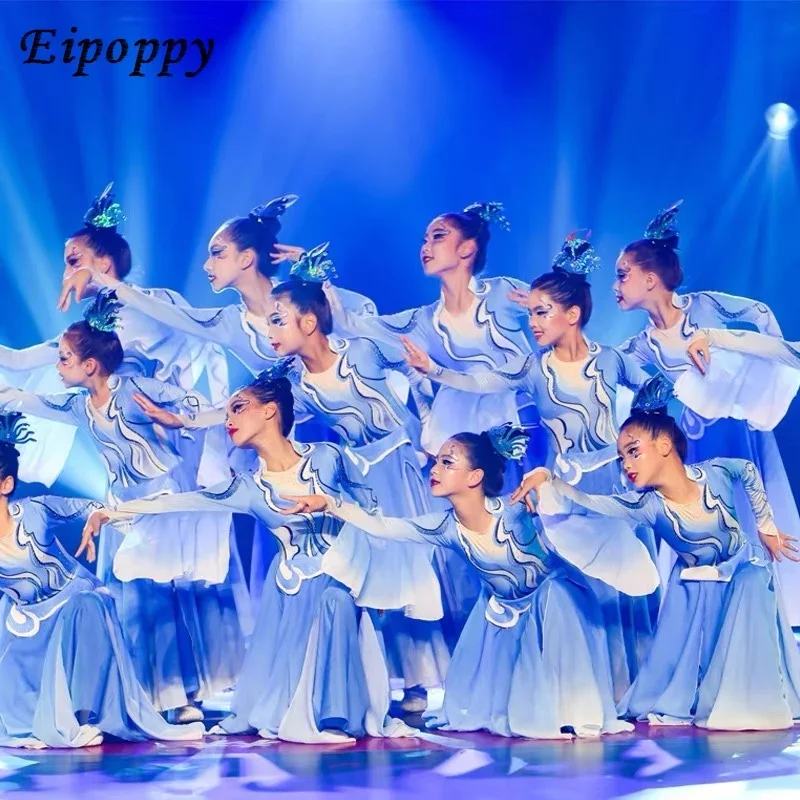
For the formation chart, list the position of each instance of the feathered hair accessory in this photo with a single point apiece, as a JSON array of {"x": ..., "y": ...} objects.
[
  {"x": 14, "y": 430},
  {"x": 653, "y": 396},
  {"x": 281, "y": 368},
  {"x": 105, "y": 211},
  {"x": 577, "y": 255},
  {"x": 274, "y": 209},
  {"x": 491, "y": 213},
  {"x": 508, "y": 441},
  {"x": 315, "y": 265},
  {"x": 664, "y": 226},
  {"x": 102, "y": 313}
]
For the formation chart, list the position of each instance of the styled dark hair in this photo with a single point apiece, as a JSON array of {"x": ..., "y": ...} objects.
[
  {"x": 88, "y": 342},
  {"x": 567, "y": 289},
  {"x": 659, "y": 423},
  {"x": 108, "y": 242},
  {"x": 275, "y": 390},
  {"x": 659, "y": 256},
  {"x": 482, "y": 454},
  {"x": 9, "y": 463},
  {"x": 472, "y": 226},
  {"x": 309, "y": 298},
  {"x": 259, "y": 234}
]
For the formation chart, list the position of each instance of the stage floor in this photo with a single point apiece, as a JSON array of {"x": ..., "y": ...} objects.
[{"x": 650, "y": 763}]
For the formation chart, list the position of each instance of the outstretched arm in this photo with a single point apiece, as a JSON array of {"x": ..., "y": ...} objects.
[
  {"x": 742, "y": 309},
  {"x": 57, "y": 407},
  {"x": 29, "y": 358}
]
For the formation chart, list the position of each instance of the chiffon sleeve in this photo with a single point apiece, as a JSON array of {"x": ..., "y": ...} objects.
[
  {"x": 513, "y": 376},
  {"x": 56, "y": 407},
  {"x": 427, "y": 529},
  {"x": 731, "y": 308},
  {"x": 29, "y": 358},
  {"x": 597, "y": 535}
]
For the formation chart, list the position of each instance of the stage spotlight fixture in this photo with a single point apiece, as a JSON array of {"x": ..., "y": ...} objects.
[{"x": 781, "y": 118}]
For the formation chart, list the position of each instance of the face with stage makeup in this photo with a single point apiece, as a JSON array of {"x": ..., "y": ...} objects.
[
  {"x": 71, "y": 368},
  {"x": 246, "y": 417},
  {"x": 452, "y": 473},
  {"x": 444, "y": 248},
  {"x": 643, "y": 455},
  {"x": 633, "y": 284},
  {"x": 548, "y": 319},
  {"x": 226, "y": 262},
  {"x": 288, "y": 328},
  {"x": 78, "y": 254}
]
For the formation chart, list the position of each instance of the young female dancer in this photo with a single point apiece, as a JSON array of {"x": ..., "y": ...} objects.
[
  {"x": 574, "y": 384},
  {"x": 314, "y": 671},
  {"x": 532, "y": 660},
  {"x": 66, "y": 678},
  {"x": 648, "y": 275},
  {"x": 473, "y": 326},
  {"x": 723, "y": 655},
  {"x": 149, "y": 349},
  {"x": 185, "y": 639}
]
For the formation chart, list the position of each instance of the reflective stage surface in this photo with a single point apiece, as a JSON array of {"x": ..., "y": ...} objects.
[{"x": 680, "y": 763}]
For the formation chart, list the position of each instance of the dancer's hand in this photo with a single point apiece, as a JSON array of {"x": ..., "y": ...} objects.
[
  {"x": 286, "y": 252},
  {"x": 160, "y": 415},
  {"x": 76, "y": 283},
  {"x": 415, "y": 356},
  {"x": 91, "y": 529},
  {"x": 304, "y": 504},
  {"x": 779, "y": 547},
  {"x": 519, "y": 296},
  {"x": 699, "y": 353},
  {"x": 530, "y": 485}
]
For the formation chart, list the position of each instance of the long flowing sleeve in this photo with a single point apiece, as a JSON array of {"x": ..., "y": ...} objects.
[
  {"x": 193, "y": 546},
  {"x": 64, "y": 509},
  {"x": 28, "y": 358},
  {"x": 223, "y": 498},
  {"x": 204, "y": 323},
  {"x": 742, "y": 309},
  {"x": 513, "y": 376},
  {"x": 747, "y": 475},
  {"x": 636, "y": 349},
  {"x": 751, "y": 376},
  {"x": 56, "y": 407},
  {"x": 597, "y": 535},
  {"x": 427, "y": 529}
]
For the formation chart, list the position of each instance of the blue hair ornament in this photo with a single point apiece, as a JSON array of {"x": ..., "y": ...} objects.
[
  {"x": 14, "y": 430},
  {"x": 105, "y": 211},
  {"x": 281, "y": 368},
  {"x": 577, "y": 254},
  {"x": 508, "y": 441},
  {"x": 314, "y": 266},
  {"x": 664, "y": 226},
  {"x": 491, "y": 213},
  {"x": 102, "y": 313},
  {"x": 653, "y": 396},
  {"x": 274, "y": 209}
]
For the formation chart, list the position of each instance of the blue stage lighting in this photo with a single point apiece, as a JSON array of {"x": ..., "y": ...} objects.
[{"x": 781, "y": 118}]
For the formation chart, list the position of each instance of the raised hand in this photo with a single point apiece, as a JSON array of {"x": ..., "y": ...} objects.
[
  {"x": 91, "y": 529},
  {"x": 699, "y": 353},
  {"x": 530, "y": 485},
  {"x": 779, "y": 547},
  {"x": 519, "y": 296},
  {"x": 286, "y": 252},
  {"x": 304, "y": 504},
  {"x": 160, "y": 415},
  {"x": 415, "y": 356},
  {"x": 76, "y": 283}
]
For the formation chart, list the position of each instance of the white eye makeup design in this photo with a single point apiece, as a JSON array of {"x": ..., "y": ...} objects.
[
  {"x": 545, "y": 311},
  {"x": 451, "y": 458},
  {"x": 217, "y": 250},
  {"x": 279, "y": 315}
]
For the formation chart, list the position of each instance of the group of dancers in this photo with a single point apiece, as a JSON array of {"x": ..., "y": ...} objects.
[{"x": 469, "y": 494}]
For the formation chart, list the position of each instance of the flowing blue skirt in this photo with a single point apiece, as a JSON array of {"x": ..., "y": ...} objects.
[
  {"x": 723, "y": 657},
  {"x": 185, "y": 638},
  {"x": 315, "y": 668},
  {"x": 72, "y": 678},
  {"x": 416, "y": 649},
  {"x": 548, "y": 672},
  {"x": 629, "y": 622}
]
